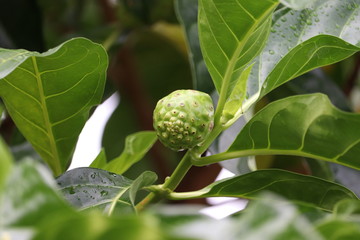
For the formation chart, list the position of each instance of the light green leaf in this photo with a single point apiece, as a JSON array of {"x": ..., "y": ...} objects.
[
  {"x": 303, "y": 125},
  {"x": 296, "y": 4},
  {"x": 29, "y": 196},
  {"x": 304, "y": 40},
  {"x": 49, "y": 95},
  {"x": 136, "y": 146},
  {"x": 100, "y": 160},
  {"x": 6, "y": 162},
  {"x": 233, "y": 104},
  {"x": 88, "y": 188},
  {"x": 295, "y": 187},
  {"x": 231, "y": 34}
]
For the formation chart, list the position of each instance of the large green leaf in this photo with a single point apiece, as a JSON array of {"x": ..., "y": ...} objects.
[
  {"x": 29, "y": 197},
  {"x": 231, "y": 34},
  {"x": 303, "y": 125},
  {"x": 49, "y": 95},
  {"x": 187, "y": 12},
  {"x": 299, "y": 188},
  {"x": 87, "y": 188},
  {"x": 136, "y": 146},
  {"x": 31, "y": 208},
  {"x": 300, "y": 41}
]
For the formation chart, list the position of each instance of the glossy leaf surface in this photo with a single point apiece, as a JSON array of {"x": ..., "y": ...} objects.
[
  {"x": 300, "y": 41},
  {"x": 304, "y": 125},
  {"x": 49, "y": 95},
  {"x": 88, "y": 188},
  {"x": 231, "y": 34},
  {"x": 295, "y": 187}
]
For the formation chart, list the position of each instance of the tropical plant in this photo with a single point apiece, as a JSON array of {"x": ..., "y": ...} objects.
[{"x": 293, "y": 147}]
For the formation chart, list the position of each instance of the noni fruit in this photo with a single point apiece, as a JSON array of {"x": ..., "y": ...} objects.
[{"x": 183, "y": 119}]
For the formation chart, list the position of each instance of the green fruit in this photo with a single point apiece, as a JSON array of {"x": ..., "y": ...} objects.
[{"x": 183, "y": 119}]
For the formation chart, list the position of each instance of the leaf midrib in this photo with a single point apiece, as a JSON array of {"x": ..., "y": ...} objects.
[
  {"x": 232, "y": 63},
  {"x": 53, "y": 149}
]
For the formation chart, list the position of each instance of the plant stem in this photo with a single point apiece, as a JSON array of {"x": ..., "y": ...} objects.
[{"x": 171, "y": 182}]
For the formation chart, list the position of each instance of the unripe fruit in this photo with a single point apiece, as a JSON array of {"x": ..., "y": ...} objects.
[{"x": 183, "y": 119}]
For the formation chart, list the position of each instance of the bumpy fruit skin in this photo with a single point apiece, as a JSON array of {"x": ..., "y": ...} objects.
[{"x": 183, "y": 119}]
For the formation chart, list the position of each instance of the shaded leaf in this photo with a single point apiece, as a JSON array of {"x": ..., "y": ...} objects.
[
  {"x": 295, "y": 187},
  {"x": 304, "y": 125},
  {"x": 187, "y": 12},
  {"x": 87, "y": 188},
  {"x": 49, "y": 95},
  {"x": 136, "y": 146}
]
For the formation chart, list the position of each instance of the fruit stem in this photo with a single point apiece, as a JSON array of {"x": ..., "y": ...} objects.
[{"x": 183, "y": 167}]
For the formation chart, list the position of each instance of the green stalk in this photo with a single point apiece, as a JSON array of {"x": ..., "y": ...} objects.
[{"x": 170, "y": 183}]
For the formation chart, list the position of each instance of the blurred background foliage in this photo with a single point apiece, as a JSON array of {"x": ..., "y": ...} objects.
[{"x": 147, "y": 48}]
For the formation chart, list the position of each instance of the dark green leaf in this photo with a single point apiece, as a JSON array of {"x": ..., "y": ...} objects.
[
  {"x": 295, "y": 187},
  {"x": 87, "y": 188},
  {"x": 136, "y": 146},
  {"x": 304, "y": 125},
  {"x": 187, "y": 11},
  {"x": 49, "y": 95}
]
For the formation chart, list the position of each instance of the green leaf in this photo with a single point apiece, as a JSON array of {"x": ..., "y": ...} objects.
[
  {"x": 231, "y": 34},
  {"x": 87, "y": 188},
  {"x": 29, "y": 197},
  {"x": 271, "y": 217},
  {"x": 49, "y": 95},
  {"x": 234, "y": 102},
  {"x": 6, "y": 162},
  {"x": 187, "y": 12},
  {"x": 100, "y": 160},
  {"x": 304, "y": 40},
  {"x": 136, "y": 146},
  {"x": 295, "y": 187},
  {"x": 303, "y": 125}
]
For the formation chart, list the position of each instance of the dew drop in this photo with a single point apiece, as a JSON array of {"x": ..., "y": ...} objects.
[
  {"x": 71, "y": 190},
  {"x": 93, "y": 175},
  {"x": 104, "y": 193},
  {"x": 271, "y": 52}
]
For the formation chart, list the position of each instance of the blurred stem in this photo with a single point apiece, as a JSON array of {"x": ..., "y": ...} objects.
[{"x": 111, "y": 39}]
